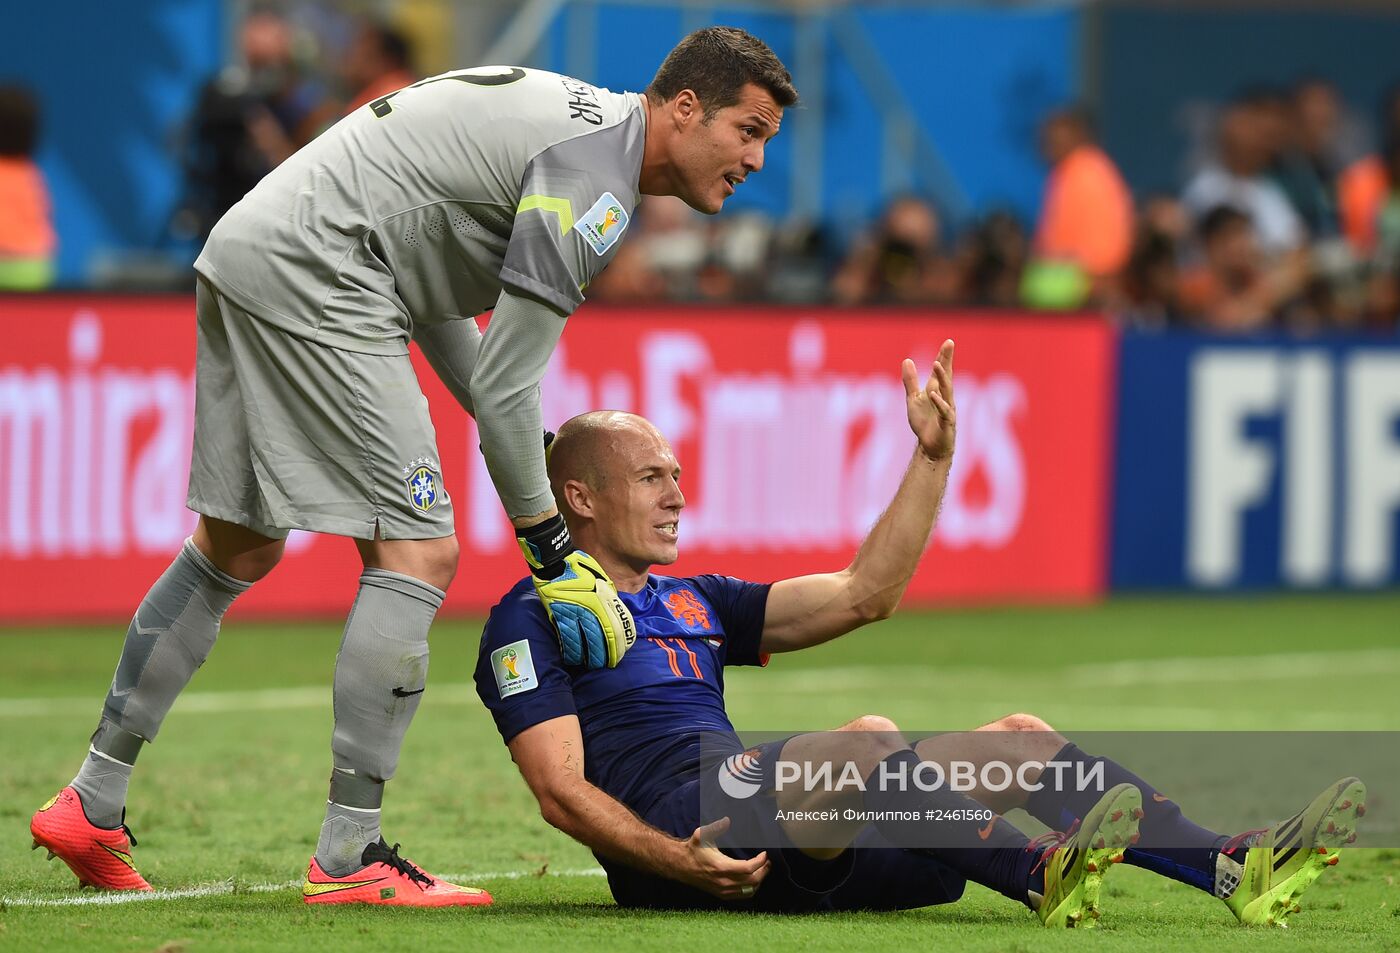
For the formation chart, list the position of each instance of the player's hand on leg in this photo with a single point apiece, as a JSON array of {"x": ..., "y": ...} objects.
[
  {"x": 718, "y": 874},
  {"x": 595, "y": 629}
]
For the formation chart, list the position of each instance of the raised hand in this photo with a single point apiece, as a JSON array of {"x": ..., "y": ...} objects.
[{"x": 932, "y": 414}]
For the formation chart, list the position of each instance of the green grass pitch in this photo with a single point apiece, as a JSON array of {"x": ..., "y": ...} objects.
[{"x": 228, "y": 802}]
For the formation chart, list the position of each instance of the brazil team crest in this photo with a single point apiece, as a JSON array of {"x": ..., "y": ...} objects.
[{"x": 424, "y": 485}]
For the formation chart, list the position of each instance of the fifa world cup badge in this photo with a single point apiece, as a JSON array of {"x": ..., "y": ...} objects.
[
  {"x": 514, "y": 669},
  {"x": 603, "y": 224}
]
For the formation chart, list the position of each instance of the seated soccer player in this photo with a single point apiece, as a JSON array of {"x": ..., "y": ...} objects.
[{"x": 613, "y": 755}]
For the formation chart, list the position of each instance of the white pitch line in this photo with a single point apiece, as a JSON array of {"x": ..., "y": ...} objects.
[
  {"x": 228, "y": 888},
  {"x": 1125, "y": 674},
  {"x": 214, "y": 703},
  {"x": 1233, "y": 668}
]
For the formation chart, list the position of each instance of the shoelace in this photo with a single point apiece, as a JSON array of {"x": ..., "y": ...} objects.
[
  {"x": 406, "y": 867},
  {"x": 1243, "y": 839},
  {"x": 1049, "y": 842},
  {"x": 127, "y": 831}
]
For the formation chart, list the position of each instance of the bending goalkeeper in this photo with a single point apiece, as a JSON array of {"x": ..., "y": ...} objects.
[
  {"x": 497, "y": 188},
  {"x": 613, "y": 755}
]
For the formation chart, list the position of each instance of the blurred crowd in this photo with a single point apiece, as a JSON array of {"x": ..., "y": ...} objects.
[
  {"x": 259, "y": 111},
  {"x": 1276, "y": 227},
  {"x": 1281, "y": 223}
]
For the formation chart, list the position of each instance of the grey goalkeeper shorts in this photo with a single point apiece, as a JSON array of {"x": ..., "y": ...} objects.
[{"x": 290, "y": 434}]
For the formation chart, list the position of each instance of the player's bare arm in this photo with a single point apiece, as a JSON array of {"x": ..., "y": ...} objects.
[
  {"x": 550, "y": 758},
  {"x": 809, "y": 610}
]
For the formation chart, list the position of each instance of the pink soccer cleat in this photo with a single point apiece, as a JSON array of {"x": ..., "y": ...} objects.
[
  {"x": 100, "y": 856},
  {"x": 389, "y": 880}
]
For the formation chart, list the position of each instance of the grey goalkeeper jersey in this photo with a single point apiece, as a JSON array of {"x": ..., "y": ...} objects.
[{"x": 423, "y": 206}]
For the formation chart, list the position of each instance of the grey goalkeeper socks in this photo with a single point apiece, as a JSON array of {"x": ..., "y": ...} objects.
[
  {"x": 345, "y": 834},
  {"x": 170, "y": 636},
  {"x": 101, "y": 786},
  {"x": 380, "y": 675}
]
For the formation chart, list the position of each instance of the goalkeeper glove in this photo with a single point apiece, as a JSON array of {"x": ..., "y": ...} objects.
[{"x": 594, "y": 627}]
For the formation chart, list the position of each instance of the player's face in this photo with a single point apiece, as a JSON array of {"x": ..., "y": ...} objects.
[
  {"x": 716, "y": 155},
  {"x": 637, "y": 515}
]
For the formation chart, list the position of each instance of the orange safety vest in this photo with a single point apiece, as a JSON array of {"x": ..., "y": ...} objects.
[
  {"x": 25, "y": 227},
  {"x": 1087, "y": 215}
]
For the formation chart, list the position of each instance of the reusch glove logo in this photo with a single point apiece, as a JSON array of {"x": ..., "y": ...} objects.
[{"x": 629, "y": 629}]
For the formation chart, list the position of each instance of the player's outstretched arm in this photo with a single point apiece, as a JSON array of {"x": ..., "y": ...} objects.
[
  {"x": 595, "y": 629},
  {"x": 809, "y": 610},
  {"x": 505, "y": 389},
  {"x": 550, "y": 757}
]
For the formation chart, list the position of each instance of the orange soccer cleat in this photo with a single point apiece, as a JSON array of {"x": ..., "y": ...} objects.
[
  {"x": 390, "y": 880},
  {"x": 100, "y": 856}
]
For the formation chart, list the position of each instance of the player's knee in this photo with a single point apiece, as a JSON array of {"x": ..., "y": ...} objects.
[
  {"x": 445, "y": 557},
  {"x": 1021, "y": 722},
  {"x": 878, "y": 724},
  {"x": 871, "y": 739},
  {"x": 878, "y": 736},
  {"x": 236, "y": 550},
  {"x": 254, "y": 564},
  {"x": 437, "y": 561}
]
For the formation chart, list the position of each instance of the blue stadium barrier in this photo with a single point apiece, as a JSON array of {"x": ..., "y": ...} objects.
[{"x": 1259, "y": 463}]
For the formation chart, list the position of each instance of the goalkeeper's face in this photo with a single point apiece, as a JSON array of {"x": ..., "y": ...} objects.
[
  {"x": 715, "y": 153},
  {"x": 636, "y": 512}
]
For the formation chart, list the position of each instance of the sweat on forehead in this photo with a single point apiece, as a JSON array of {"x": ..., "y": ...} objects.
[{"x": 587, "y": 446}]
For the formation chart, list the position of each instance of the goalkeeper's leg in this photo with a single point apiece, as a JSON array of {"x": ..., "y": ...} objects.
[
  {"x": 170, "y": 636},
  {"x": 380, "y": 675}
]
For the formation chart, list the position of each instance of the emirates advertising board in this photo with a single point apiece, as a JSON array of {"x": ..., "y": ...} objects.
[{"x": 789, "y": 425}]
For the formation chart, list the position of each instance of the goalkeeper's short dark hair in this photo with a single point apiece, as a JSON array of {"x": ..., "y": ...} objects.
[{"x": 716, "y": 63}]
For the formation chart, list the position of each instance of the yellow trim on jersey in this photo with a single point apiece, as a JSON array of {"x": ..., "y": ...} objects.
[{"x": 548, "y": 203}]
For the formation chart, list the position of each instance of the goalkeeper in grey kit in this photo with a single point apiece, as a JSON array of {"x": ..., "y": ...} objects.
[{"x": 502, "y": 189}]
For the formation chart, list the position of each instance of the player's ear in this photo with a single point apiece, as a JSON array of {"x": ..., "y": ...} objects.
[
  {"x": 578, "y": 498},
  {"x": 686, "y": 107}
]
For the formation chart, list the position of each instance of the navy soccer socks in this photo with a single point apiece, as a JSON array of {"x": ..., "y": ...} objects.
[
  {"x": 991, "y": 852},
  {"x": 1173, "y": 846}
]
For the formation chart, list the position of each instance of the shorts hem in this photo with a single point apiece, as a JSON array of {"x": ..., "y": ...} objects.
[
  {"x": 327, "y": 526},
  {"x": 237, "y": 518}
]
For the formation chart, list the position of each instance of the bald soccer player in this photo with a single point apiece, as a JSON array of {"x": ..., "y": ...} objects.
[
  {"x": 495, "y": 188},
  {"x": 614, "y": 756}
]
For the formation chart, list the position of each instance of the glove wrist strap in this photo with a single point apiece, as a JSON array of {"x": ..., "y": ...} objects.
[{"x": 545, "y": 545}]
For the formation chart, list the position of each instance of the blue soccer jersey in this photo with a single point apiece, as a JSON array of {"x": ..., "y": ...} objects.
[{"x": 641, "y": 720}]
